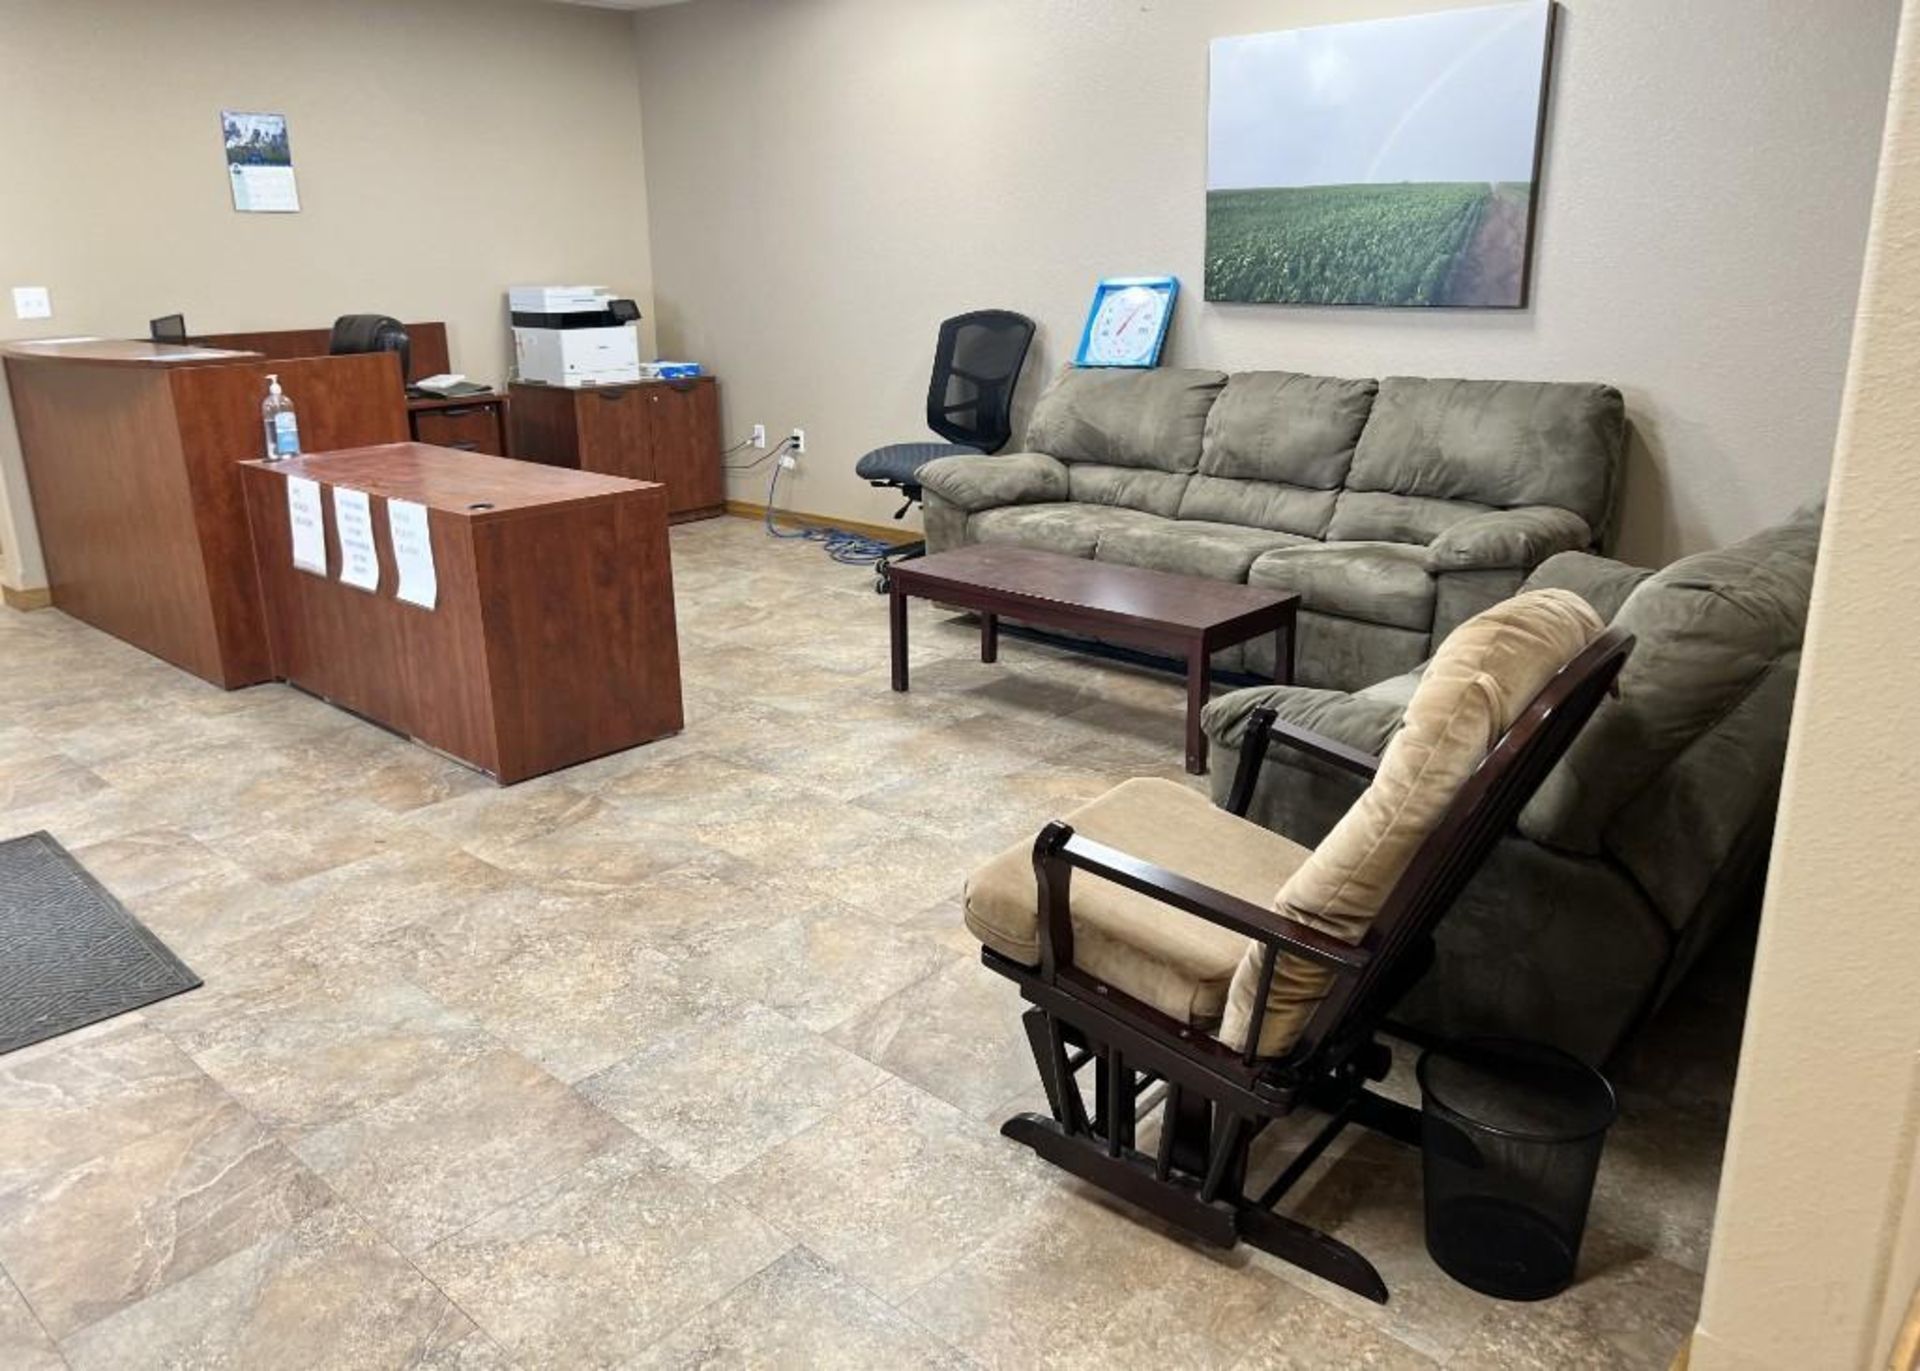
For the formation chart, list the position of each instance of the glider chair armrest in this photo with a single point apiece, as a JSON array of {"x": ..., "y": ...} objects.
[
  {"x": 1264, "y": 729},
  {"x": 1059, "y": 851}
]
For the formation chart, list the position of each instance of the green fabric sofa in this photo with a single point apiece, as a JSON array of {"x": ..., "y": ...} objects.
[
  {"x": 1649, "y": 834},
  {"x": 1396, "y": 508}
]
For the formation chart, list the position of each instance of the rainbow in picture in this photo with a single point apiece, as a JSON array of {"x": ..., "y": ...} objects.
[{"x": 1392, "y": 162}]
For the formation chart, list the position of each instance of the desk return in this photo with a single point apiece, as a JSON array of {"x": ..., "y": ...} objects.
[{"x": 551, "y": 639}]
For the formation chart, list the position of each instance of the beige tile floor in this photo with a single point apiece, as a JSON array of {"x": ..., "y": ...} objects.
[{"x": 677, "y": 1058}]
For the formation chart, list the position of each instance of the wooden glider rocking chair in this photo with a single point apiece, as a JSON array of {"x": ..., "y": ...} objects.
[{"x": 1137, "y": 966}]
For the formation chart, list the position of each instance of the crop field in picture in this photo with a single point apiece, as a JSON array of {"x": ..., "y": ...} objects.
[{"x": 1407, "y": 244}]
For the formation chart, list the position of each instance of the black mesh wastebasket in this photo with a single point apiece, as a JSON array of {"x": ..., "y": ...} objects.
[{"x": 1511, "y": 1134}]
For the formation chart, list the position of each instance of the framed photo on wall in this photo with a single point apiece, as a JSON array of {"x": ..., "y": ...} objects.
[{"x": 1392, "y": 162}]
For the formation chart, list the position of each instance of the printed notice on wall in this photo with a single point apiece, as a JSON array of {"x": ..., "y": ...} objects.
[
  {"x": 353, "y": 521},
  {"x": 259, "y": 162},
  {"x": 307, "y": 524},
  {"x": 412, "y": 552}
]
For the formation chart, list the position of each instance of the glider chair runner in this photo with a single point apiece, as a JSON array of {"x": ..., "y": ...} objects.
[{"x": 1245, "y": 1006}]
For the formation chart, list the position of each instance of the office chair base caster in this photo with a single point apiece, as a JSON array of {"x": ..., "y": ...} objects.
[{"x": 880, "y": 586}]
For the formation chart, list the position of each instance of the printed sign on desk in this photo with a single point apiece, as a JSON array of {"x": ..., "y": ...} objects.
[
  {"x": 307, "y": 524},
  {"x": 353, "y": 521},
  {"x": 412, "y": 552}
]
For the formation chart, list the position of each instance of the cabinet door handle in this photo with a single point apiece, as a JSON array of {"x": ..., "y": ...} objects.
[
  {"x": 458, "y": 411},
  {"x": 465, "y": 447},
  {"x": 611, "y": 395}
]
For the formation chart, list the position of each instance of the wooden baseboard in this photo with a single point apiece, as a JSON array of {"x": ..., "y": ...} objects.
[
  {"x": 886, "y": 533},
  {"x": 36, "y": 597}
]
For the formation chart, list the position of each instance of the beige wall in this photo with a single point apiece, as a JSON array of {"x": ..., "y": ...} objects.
[
  {"x": 829, "y": 178},
  {"x": 1817, "y": 1246},
  {"x": 445, "y": 150}
]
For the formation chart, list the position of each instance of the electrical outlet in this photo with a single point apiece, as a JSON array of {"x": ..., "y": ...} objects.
[
  {"x": 798, "y": 442},
  {"x": 788, "y": 461},
  {"x": 32, "y": 302},
  {"x": 759, "y": 439}
]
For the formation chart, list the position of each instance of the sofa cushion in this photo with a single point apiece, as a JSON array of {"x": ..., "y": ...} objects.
[
  {"x": 1277, "y": 448},
  {"x": 1220, "y": 552},
  {"x": 1126, "y": 418},
  {"x": 1177, "y": 963},
  {"x": 1494, "y": 443},
  {"x": 1258, "y": 504},
  {"x": 1708, "y": 628},
  {"x": 1378, "y": 583},
  {"x": 1069, "y": 529},
  {"x": 1470, "y": 693},
  {"x": 1156, "y": 492},
  {"x": 1283, "y": 426},
  {"x": 1379, "y": 514}
]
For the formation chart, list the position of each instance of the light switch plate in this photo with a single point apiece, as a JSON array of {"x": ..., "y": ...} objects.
[{"x": 32, "y": 302}]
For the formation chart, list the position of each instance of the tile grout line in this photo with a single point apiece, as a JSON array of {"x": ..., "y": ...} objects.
[{"x": 34, "y": 1314}]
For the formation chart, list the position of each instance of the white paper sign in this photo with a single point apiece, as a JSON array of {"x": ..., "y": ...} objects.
[
  {"x": 412, "y": 552},
  {"x": 308, "y": 524},
  {"x": 353, "y": 521}
]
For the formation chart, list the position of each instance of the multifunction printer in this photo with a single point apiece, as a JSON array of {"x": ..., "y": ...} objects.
[{"x": 573, "y": 336}]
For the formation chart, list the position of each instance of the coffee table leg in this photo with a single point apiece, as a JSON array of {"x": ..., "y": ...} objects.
[
  {"x": 897, "y": 625},
  {"x": 989, "y": 637},
  {"x": 1283, "y": 652},
  {"x": 1199, "y": 687}
]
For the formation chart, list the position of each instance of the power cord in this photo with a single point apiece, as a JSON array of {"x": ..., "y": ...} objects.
[
  {"x": 759, "y": 461},
  {"x": 842, "y": 545}
]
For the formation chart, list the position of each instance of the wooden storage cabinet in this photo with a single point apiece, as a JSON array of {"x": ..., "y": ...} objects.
[
  {"x": 473, "y": 425},
  {"x": 665, "y": 431}
]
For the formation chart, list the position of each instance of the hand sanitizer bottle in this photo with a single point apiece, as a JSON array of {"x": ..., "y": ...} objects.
[{"x": 282, "y": 428}]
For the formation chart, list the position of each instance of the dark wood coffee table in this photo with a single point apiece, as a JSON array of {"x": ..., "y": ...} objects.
[{"x": 1188, "y": 617}]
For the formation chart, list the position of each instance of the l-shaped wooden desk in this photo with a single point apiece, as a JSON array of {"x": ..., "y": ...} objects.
[{"x": 133, "y": 455}]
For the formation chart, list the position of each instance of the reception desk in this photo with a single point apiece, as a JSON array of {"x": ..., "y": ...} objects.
[
  {"x": 133, "y": 454},
  {"x": 551, "y": 637}
]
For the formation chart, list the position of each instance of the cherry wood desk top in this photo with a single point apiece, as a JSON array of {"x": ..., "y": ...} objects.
[
  {"x": 124, "y": 352},
  {"x": 468, "y": 484}
]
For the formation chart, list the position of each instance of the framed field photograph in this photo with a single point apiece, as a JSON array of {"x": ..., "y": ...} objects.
[{"x": 1391, "y": 162}]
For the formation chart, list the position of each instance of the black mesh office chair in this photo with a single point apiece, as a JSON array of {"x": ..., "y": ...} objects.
[
  {"x": 372, "y": 333},
  {"x": 969, "y": 403}
]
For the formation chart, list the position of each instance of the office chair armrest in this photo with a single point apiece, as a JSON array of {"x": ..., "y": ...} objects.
[
  {"x": 1059, "y": 848},
  {"x": 1011, "y": 478}
]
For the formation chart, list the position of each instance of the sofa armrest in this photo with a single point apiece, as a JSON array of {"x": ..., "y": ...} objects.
[
  {"x": 1600, "y": 581},
  {"x": 1504, "y": 539},
  {"x": 1011, "y": 478},
  {"x": 1361, "y": 722}
]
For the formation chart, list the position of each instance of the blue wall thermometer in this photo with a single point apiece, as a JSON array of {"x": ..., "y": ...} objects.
[{"x": 1128, "y": 322}]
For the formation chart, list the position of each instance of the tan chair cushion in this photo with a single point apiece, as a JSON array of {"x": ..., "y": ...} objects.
[
  {"x": 1476, "y": 685},
  {"x": 1178, "y": 964}
]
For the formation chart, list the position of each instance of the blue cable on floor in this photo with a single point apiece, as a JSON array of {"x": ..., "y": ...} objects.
[{"x": 849, "y": 549}]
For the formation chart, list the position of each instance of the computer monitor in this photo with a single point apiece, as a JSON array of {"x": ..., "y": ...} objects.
[{"x": 168, "y": 328}]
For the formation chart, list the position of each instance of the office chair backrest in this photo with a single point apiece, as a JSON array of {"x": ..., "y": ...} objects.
[
  {"x": 372, "y": 333},
  {"x": 975, "y": 369}
]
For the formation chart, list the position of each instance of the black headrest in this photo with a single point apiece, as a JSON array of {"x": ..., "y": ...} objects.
[{"x": 367, "y": 333}]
